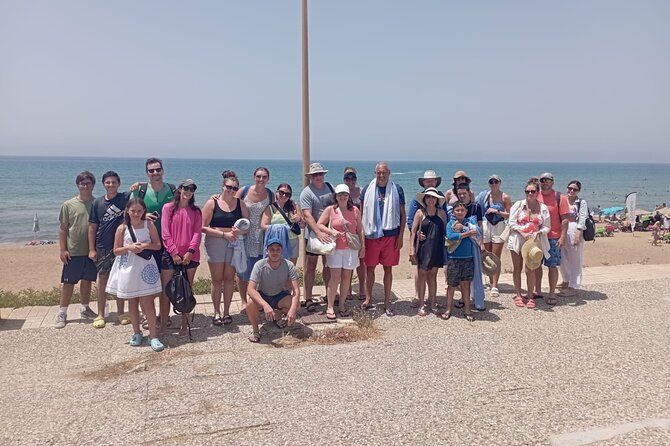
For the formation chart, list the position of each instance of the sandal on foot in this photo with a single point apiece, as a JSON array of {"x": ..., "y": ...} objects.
[
  {"x": 459, "y": 304},
  {"x": 367, "y": 307},
  {"x": 156, "y": 345},
  {"x": 362, "y": 297},
  {"x": 99, "y": 322},
  {"x": 422, "y": 311},
  {"x": 446, "y": 315},
  {"x": 519, "y": 302},
  {"x": 344, "y": 313},
  {"x": 495, "y": 292},
  {"x": 469, "y": 317},
  {"x": 124, "y": 319},
  {"x": 136, "y": 340},
  {"x": 217, "y": 321},
  {"x": 227, "y": 320},
  {"x": 390, "y": 312},
  {"x": 255, "y": 337},
  {"x": 551, "y": 300},
  {"x": 531, "y": 304},
  {"x": 331, "y": 315}
]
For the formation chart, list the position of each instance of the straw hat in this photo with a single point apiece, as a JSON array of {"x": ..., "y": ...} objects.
[
  {"x": 460, "y": 173},
  {"x": 490, "y": 263},
  {"x": 430, "y": 175},
  {"x": 532, "y": 254},
  {"x": 451, "y": 245},
  {"x": 316, "y": 168},
  {"x": 431, "y": 192}
]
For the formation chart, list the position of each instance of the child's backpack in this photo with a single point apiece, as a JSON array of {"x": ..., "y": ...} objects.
[{"x": 181, "y": 295}]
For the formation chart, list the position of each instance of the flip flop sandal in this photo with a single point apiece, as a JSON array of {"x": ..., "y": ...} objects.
[
  {"x": 469, "y": 318},
  {"x": 217, "y": 321},
  {"x": 422, "y": 311},
  {"x": 552, "y": 300},
  {"x": 255, "y": 338},
  {"x": 446, "y": 315},
  {"x": 362, "y": 297},
  {"x": 367, "y": 307},
  {"x": 495, "y": 292},
  {"x": 344, "y": 313},
  {"x": 459, "y": 304},
  {"x": 227, "y": 320},
  {"x": 390, "y": 312}
]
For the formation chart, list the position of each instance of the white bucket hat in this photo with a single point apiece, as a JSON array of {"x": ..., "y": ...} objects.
[{"x": 430, "y": 175}]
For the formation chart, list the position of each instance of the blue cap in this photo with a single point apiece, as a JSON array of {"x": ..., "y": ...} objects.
[{"x": 274, "y": 240}]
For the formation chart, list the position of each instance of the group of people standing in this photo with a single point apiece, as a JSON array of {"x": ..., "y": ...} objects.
[{"x": 132, "y": 243}]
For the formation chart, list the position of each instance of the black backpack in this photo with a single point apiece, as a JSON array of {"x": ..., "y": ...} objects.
[
  {"x": 589, "y": 233},
  {"x": 142, "y": 191},
  {"x": 180, "y": 293}
]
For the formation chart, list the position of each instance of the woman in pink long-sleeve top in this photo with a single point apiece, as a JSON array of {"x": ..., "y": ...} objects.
[{"x": 181, "y": 225}]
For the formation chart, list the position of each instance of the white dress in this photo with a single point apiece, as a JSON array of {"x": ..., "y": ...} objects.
[
  {"x": 131, "y": 275},
  {"x": 572, "y": 256}
]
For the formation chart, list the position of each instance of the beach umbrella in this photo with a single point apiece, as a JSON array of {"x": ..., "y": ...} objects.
[
  {"x": 36, "y": 224},
  {"x": 613, "y": 210},
  {"x": 640, "y": 212}
]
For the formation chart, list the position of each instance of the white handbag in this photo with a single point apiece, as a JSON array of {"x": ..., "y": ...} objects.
[{"x": 316, "y": 246}]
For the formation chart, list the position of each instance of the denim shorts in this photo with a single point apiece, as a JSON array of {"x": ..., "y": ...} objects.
[{"x": 554, "y": 260}]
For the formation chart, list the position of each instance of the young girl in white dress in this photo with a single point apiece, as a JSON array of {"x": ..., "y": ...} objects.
[{"x": 133, "y": 277}]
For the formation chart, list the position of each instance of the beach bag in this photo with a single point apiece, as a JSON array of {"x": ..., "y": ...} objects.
[
  {"x": 146, "y": 254},
  {"x": 316, "y": 246},
  {"x": 589, "y": 232},
  {"x": 180, "y": 292},
  {"x": 353, "y": 239},
  {"x": 492, "y": 218}
]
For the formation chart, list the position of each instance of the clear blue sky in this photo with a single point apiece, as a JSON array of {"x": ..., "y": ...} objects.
[{"x": 459, "y": 80}]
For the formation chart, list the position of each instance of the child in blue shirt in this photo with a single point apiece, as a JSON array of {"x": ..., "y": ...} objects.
[{"x": 460, "y": 266}]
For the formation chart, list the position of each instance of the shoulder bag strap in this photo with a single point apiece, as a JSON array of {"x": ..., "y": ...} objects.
[
  {"x": 283, "y": 214},
  {"x": 132, "y": 233},
  {"x": 344, "y": 220}
]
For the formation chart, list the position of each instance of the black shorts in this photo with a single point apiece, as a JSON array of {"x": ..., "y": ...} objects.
[
  {"x": 460, "y": 270},
  {"x": 104, "y": 262},
  {"x": 79, "y": 268},
  {"x": 158, "y": 257},
  {"x": 167, "y": 262}
]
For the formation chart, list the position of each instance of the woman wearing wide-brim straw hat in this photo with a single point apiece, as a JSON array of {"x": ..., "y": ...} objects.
[
  {"x": 529, "y": 221},
  {"x": 428, "y": 231}
]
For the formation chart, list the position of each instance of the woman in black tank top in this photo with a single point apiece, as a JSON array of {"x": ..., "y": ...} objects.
[{"x": 218, "y": 216}]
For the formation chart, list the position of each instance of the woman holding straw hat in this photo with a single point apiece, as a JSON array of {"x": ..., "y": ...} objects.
[
  {"x": 428, "y": 230},
  {"x": 529, "y": 224}
]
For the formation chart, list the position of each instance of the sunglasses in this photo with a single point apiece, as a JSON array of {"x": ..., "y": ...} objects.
[
  {"x": 233, "y": 188},
  {"x": 320, "y": 174},
  {"x": 350, "y": 177},
  {"x": 528, "y": 192},
  {"x": 494, "y": 181},
  {"x": 188, "y": 188},
  {"x": 546, "y": 180},
  {"x": 156, "y": 170},
  {"x": 573, "y": 189},
  {"x": 283, "y": 193}
]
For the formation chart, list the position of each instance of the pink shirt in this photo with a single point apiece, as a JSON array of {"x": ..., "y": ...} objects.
[
  {"x": 338, "y": 225},
  {"x": 181, "y": 230},
  {"x": 550, "y": 201}
]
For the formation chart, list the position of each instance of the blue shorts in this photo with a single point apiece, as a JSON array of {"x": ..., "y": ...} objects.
[
  {"x": 251, "y": 261},
  {"x": 554, "y": 260},
  {"x": 274, "y": 300}
]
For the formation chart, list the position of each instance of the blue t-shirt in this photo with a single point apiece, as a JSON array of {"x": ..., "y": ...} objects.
[
  {"x": 464, "y": 249},
  {"x": 381, "y": 196}
]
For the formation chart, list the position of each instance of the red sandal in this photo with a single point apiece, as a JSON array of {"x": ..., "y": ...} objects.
[{"x": 519, "y": 302}]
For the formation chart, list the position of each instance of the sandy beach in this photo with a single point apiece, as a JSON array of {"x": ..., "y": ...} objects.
[{"x": 38, "y": 267}]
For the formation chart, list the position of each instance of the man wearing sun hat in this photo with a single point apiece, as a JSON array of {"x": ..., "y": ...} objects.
[
  {"x": 314, "y": 198},
  {"x": 559, "y": 209}
]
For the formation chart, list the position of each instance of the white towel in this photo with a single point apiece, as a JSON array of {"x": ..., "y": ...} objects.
[{"x": 373, "y": 226}]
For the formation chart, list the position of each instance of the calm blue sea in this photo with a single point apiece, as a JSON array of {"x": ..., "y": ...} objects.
[{"x": 39, "y": 185}]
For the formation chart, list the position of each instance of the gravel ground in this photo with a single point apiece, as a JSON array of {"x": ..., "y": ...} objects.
[{"x": 513, "y": 377}]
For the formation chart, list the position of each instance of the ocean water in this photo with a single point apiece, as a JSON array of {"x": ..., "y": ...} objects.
[{"x": 39, "y": 185}]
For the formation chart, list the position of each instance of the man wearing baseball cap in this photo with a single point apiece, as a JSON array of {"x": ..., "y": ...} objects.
[
  {"x": 559, "y": 208},
  {"x": 267, "y": 289}
]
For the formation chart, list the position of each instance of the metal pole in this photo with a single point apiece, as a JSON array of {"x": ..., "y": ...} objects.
[{"x": 305, "y": 96}]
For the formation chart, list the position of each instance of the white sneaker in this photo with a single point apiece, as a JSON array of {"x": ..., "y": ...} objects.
[
  {"x": 495, "y": 292},
  {"x": 61, "y": 320}
]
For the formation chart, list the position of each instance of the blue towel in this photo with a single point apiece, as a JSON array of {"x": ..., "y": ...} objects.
[
  {"x": 477, "y": 290},
  {"x": 280, "y": 232}
]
